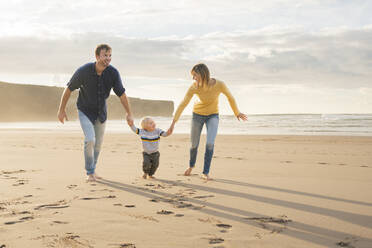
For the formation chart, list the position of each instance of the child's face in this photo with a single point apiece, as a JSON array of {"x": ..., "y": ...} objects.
[{"x": 150, "y": 125}]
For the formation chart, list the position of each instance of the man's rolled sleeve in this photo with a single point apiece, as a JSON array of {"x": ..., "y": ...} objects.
[
  {"x": 75, "y": 81},
  {"x": 118, "y": 85}
]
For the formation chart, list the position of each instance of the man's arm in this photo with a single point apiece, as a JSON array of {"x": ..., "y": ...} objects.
[
  {"x": 62, "y": 106},
  {"x": 125, "y": 103}
]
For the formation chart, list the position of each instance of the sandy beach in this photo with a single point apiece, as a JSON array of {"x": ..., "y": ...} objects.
[{"x": 268, "y": 191}]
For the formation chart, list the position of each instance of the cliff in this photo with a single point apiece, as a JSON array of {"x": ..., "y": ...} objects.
[{"x": 20, "y": 102}]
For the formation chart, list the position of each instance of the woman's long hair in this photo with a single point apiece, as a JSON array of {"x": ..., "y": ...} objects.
[{"x": 203, "y": 71}]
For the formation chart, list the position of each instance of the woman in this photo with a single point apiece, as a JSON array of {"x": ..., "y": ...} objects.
[{"x": 204, "y": 112}]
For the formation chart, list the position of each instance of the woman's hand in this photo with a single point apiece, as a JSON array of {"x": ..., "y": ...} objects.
[
  {"x": 242, "y": 116},
  {"x": 170, "y": 130}
]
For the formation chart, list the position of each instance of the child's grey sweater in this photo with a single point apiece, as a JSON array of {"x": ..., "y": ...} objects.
[{"x": 150, "y": 140}]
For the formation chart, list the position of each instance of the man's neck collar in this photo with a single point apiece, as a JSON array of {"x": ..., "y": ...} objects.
[{"x": 98, "y": 69}]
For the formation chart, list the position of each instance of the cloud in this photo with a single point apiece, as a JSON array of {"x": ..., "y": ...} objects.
[{"x": 332, "y": 57}]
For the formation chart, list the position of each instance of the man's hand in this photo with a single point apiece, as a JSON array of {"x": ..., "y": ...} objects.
[
  {"x": 62, "y": 116},
  {"x": 130, "y": 120}
]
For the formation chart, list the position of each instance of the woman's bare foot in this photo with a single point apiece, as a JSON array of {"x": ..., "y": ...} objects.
[
  {"x": 91, "y": 178},
  {"x": 96, "y": 176},
  {"x": 206, "y": 177},
  {"x": 144, "y": 176},
  {"x": 188, "y": 171}
]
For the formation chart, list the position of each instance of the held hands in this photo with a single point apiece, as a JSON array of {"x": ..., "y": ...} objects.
[
  {"x": 62, "y": 116},
  {"x": 129, "y": 120},
  {"x": 170, "y": 130},
  {"x": 242, "y": 116}
]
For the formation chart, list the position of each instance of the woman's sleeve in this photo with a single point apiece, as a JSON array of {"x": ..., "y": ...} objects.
[
  {"x": 184, "y": 103},
  {"x": 230, "y": 98}
]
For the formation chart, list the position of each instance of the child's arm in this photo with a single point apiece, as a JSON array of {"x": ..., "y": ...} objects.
[
  {"x": 135, "y": 129},
  {"x": 164, "y": 134}
]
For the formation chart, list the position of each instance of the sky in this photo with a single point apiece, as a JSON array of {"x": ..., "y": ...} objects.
[{"x": 275, "y": 56}]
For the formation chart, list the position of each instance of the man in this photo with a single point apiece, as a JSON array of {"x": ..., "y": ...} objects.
[{"x": 94, "y": 81}]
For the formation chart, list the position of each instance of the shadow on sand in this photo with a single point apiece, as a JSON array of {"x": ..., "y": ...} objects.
[{"x": 294, "y": 229}]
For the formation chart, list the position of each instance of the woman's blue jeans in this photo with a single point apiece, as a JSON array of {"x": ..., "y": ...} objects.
[
  {"x": 92, "y": 142},
  {"x": 198, "y": 121}
]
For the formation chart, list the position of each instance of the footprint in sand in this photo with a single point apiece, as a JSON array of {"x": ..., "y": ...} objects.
[
  {"x": 60, "y": 222},
  {"x": 96, "y": 198},
  {"x": 322, "y": 163},
  {"x": 226, "y": 226},
  {"x": 20, "y": 182},
  {"x": 72, "y": 186},
  {"x": 184, "y": 205},
  {"x": 13, "y": 172},
  {"x": 203, "y": 196},
  {"x": 130, "y": 206},
  {"x": 270, "y": 220},
  {"x": 23, "y": 219},
  {"x": 216, "y": 241},
  {"x": 118, "y": 204},
  {"x": 347, "y": 242},
  {"x": 127, "y": 245},
  {"x": 60, "y": 204},
  {"x": 286, "y": 162},
  {"x": 165, "y": 212},
  {"x": 26, "y": 218},
  {"x": 12, "y": 222}
]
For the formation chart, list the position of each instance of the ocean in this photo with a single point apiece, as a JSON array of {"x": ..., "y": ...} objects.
[{"x": 270, "y": 124}]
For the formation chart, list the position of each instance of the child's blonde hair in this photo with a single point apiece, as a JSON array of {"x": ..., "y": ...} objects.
[{"x": 144, "y": 121}]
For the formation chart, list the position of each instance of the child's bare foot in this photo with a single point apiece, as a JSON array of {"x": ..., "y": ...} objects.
[
  {"x": 188, "y": 171},
  {"x": 96, "y": 176},
  {"x": 152, "y": 177},
  {"x": 206, "y": 177},
  {"x": 91, "y": 178},
  {"x": 144, "y": 176}
]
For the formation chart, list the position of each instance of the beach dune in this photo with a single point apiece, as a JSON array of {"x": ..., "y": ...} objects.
[{"x": 20, "y": 102}]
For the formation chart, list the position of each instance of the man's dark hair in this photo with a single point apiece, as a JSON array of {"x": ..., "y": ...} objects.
[{"x": 102, "y": 47}]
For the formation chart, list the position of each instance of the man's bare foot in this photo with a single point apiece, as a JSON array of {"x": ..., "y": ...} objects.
[
  {"x": 96, "y": 176},
  {"x": 152, "y": 177},
  {"x": 144, "y": 176},
  {"x": 91, "y": 178},
  {"x": 188, "y": 171},
  {"x": 206, "y": 177}
]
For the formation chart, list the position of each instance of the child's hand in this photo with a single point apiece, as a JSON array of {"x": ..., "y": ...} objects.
[
  {"x": 130, "y": 120},
  {"x": 170, "y": 130}
]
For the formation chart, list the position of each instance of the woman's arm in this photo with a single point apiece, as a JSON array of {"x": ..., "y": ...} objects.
[
  {"x": 181, "y": 107},
  {"x": 232, "y": 103}
]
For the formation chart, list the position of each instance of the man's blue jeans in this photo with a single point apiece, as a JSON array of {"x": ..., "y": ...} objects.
[
  {"x": 198, "y": 121},
  {"x": 92, "y": 142}
]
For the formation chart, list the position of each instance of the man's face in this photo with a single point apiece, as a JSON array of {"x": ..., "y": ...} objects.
[{"x": 104, "y": 57}]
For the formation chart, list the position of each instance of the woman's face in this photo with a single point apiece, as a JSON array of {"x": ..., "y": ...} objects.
[{"x": 196, "y": 77}]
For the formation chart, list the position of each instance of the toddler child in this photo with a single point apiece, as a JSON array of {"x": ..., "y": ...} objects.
[{"x": 150, "y": 136}]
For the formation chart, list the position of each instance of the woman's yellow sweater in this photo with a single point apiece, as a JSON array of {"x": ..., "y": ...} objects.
[{"x": 208, "y": 99}]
